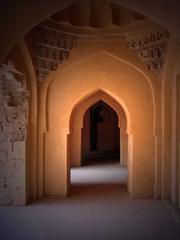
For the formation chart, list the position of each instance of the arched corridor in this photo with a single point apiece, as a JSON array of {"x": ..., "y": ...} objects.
[
  {"x": 98, "y": 160},
  {"x": 90, "y": 120}
]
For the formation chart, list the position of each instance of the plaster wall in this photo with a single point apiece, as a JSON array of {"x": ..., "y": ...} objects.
[
  {"x": 175, "y": 127},
  {"x": 85, "y": 133}
]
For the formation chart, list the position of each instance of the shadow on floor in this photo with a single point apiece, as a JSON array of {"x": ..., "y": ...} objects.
[{"x": 101, "y": 190}]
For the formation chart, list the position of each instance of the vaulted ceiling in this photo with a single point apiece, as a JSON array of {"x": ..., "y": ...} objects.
[
  {"x": 51, "y": 41},
  {"x": 18, "y": 17},
  {"x": 96, "y": 14}
]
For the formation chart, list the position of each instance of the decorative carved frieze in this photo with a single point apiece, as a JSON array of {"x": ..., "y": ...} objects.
[
  {"x": 50, "y": 48},
  {"x": 13, "y": 103},
  {"x": 151, "y": 48}
]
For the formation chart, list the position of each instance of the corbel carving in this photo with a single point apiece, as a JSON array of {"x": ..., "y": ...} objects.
[
  {"x": 151, "y": 48},
  {"x": 50, "y": 48}
]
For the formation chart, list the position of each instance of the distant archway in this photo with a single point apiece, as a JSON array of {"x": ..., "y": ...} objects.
[
  {"x": 76, "y": 126},
  {"x": 100, "y": 135}
]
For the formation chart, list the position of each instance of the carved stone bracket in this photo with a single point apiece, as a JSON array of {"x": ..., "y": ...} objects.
[
  {"x": 50, "y": 48},
  {"x": 151, "y": 48}
]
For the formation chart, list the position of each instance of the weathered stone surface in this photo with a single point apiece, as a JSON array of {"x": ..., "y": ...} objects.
[
  {"x": 15, "y": 182},
  {"x": 3, "y": 158},
  {"x": 6, "y": 146},
  {"x": 18, "y": 196},
  {"x": 14, "y": 104},
  {"x": 13, "y": 121},
  {"x": 2, "y": 182},
  {"x": 7, "y": 170},
  {"x": 4, "y": 192},
  {"x": 5, "y": 201},
  {"x": 3, "y": 135},
  {"x": 18, "y": 151},
  {"x": 19, "y": 168}
]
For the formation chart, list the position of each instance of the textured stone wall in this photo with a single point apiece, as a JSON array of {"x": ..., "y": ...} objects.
[{"x": 13, "y": 130}]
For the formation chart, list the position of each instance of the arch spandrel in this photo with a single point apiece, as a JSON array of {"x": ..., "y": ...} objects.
[{"x": 124, "y": 83}]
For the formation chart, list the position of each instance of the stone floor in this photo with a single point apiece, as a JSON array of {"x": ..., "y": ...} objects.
[
  {"x": 101, "y": 172},
  {"x": 98, "y": 208}
]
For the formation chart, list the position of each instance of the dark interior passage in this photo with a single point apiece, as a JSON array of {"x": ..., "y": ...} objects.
[{"x": 100, "y": 133}]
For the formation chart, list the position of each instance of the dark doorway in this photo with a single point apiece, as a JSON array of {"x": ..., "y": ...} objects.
[{"x": 100, "y": 133}]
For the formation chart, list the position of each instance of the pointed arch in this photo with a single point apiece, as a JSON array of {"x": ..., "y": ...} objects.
[
  {"x": 82, "y": 105},
  {"x": 76, "y": 123}
]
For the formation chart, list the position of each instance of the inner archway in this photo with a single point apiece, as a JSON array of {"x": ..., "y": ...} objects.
[
  {"x": 121, "y": 86},
  {"x": 96, "y": 149},
  {"x": 100, "y": 134}
]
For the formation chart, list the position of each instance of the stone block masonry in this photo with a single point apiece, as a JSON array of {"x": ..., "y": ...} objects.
[{"x": 13, "y": 131}]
